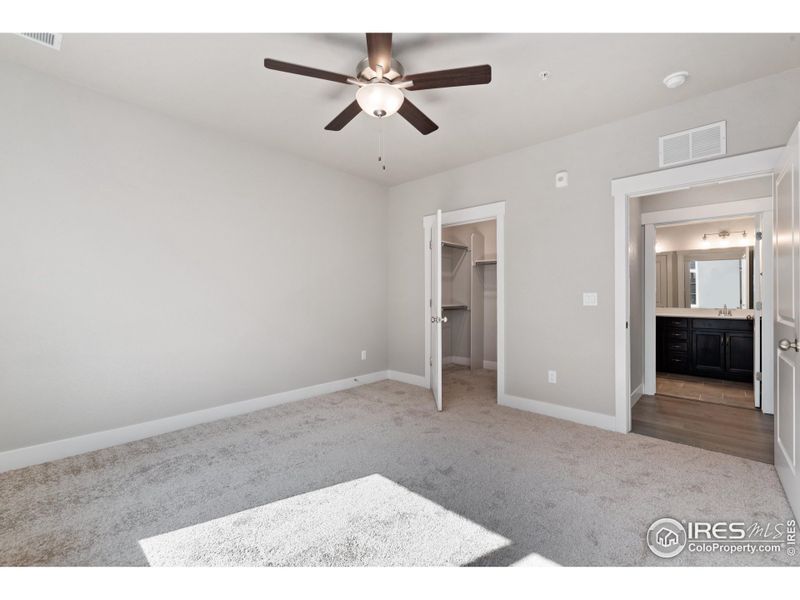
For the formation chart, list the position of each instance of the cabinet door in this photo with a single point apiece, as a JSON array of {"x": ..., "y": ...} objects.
[
  {"x": 708, "y": 353},
  {"x": 739, "y": 355}
]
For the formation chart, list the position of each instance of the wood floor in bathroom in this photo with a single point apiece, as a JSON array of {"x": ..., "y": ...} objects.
[
  {"x": 706, "y": 413},
  {"x": 704, "y": 389}
]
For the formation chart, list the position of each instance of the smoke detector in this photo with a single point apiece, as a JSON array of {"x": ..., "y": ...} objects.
[{"x": 677, "y": 79}]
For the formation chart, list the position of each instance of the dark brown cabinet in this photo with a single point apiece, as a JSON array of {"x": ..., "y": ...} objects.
[
  {"x": 739, "y": 354},
  {"x": 708, "y": 349},
  {"x": 719, "y": 348}
]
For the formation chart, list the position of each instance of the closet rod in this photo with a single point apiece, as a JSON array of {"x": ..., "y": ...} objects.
[{"x": 454, "y": 245}]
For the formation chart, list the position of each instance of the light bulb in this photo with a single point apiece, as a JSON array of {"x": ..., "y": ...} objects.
[{"x": 379, "y": 99}]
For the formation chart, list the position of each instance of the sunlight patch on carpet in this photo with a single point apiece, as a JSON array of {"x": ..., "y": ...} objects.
[{"x": 366, "y": 521}]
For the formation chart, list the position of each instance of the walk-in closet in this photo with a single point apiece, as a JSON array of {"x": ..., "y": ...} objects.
[{"x": 469, "y": 299}]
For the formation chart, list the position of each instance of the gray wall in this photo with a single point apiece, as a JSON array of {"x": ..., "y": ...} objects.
[
  {"x": 151, "y": 268},
  {"x": 672, "y": 238},
  {"x": 746, "y": 189},
  {"x": 559, "y": 242}
]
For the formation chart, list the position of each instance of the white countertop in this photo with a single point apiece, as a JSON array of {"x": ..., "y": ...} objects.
[{"x": 704, "y": 313}]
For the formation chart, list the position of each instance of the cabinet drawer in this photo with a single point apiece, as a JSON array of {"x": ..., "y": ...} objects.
[
  {"x": 675, "y": 322},
  {"x": 675, "y": 335},
  {"x": 673, "y": 347},
  {"x": 678, "y": 361}
]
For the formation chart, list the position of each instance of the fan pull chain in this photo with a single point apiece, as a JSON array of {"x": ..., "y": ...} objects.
[{"x": 381, "y": 151}]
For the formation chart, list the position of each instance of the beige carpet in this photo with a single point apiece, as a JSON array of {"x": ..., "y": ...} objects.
[{"x": 374, "y": 476}]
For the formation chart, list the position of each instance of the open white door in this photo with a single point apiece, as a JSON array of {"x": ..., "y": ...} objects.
[
  {"x": 436, "y": 310},
  {"x": 787, "y": 319}
]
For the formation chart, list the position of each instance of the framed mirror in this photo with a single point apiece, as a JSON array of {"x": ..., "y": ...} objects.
[{"x": 715, "y": 282}]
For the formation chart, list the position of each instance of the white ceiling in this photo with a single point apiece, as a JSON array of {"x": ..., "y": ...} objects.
[{"x": 219, "y": 80}]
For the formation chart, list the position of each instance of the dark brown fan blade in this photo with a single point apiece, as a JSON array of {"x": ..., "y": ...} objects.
[
  {"x": 279, "y": 65},
  {"x": 417, "y": 118},
  {"x": 379, "y": 50},
  {"x": 344, "y": 117},
  {"x": 451, "y": 78}
]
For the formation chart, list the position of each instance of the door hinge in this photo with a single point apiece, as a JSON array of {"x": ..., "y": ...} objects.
[
  {"x": 430, "y": 244},
  {"x": 758, "y": 376},
  {"x": 626, "y": 324},
  {"x": 759, "y": 235},
  {"x": 430, "y": 362},
  {"x": 430, "y": 302},
  {"x": 759, "y": 305}
]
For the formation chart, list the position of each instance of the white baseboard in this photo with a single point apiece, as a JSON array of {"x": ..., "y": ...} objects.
[
  {"x": 407, "y": 378},
  {"x": 456, "y": 360},
  {"x": 490, "y": 364},
  {"x": 40, "y": 453},
  {"x": 584, "y": 417},
  {"x": 636, "y": 395}
]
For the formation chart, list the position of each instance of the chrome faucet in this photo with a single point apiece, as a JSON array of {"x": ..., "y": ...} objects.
[{"x": 725, "y": 311}]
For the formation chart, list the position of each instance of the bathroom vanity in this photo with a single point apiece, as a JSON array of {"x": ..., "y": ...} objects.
[{"x": 704, "y": 343}]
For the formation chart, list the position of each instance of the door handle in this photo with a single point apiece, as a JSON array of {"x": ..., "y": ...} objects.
[
  {"x": 438, "y": 319},
  {"x": 787, "y": 345}
]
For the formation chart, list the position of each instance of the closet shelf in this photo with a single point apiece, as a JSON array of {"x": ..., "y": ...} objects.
[
  {"x": 454, "y": 245},
  {"x": 485, "y": 261},
  {"x": 455, "y": 307}
]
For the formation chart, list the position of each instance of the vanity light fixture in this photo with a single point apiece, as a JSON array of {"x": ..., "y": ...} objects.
[{"x": 723, "y": 236}]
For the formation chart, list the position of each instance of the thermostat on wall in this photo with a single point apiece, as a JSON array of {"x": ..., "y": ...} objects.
[{"x": 562, "y": 179}]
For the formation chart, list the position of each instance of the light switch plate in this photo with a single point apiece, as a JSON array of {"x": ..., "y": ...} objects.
[{"x": 590, "y": 298}]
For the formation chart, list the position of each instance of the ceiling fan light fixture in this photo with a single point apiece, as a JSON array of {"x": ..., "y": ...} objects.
[{"x": 379, "y": 99}]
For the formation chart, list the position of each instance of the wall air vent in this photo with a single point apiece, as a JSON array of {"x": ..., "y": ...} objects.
[
  {"x": 692, "y": 145},
  {"x": 51, "y": 40}
]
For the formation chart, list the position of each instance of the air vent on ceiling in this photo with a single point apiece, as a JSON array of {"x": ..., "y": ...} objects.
[
  {"x": 691, "y": 145},
  {"x": 51, "y": 40}
]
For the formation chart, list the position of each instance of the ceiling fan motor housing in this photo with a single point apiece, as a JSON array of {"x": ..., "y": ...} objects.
[{"x": 366, "y": 73}]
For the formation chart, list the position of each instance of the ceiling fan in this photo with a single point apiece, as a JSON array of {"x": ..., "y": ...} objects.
[{"x": 380, "y": 79}]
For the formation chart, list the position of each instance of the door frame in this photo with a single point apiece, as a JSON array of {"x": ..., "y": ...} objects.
[
  {"x": 742, "y": 166},
  {"x": 761, "y": 211},
  {"x": 464, "y": 216}
]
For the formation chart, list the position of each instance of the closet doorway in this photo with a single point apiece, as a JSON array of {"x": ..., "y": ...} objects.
[{"x": 464, "y": 305}]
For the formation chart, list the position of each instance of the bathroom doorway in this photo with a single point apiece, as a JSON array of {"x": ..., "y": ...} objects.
[{"x": 704, "y": 296}]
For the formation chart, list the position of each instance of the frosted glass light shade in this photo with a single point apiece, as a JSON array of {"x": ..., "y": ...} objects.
[{"x": 379, "y": 99}]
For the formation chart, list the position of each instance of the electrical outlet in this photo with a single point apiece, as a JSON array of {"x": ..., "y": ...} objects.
[
  {"x": 551, "y": 376},
  {"x": 363, "y": 355}
]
